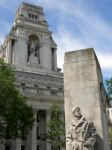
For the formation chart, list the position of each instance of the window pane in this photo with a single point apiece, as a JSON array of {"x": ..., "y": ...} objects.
[{"x": 22, "y": 147}]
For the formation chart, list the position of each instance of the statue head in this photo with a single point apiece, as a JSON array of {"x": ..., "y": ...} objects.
[{"x": 76, "y": 112}]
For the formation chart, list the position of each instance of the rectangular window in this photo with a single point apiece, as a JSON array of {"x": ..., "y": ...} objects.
[
  {"x": 23, "y": 86},
  {"x": 29, "y": 15},
  {"x": 38, "y": 147},
  {"x": 53, "y": 58},
  {"x": 36, "y": 88},
  {"x": 36, "y": 17},
  {"x": 7, "y": 147},
  {"x": 37, "y": 117},
  {"x": 22, "y": 147},
  {"x": 38, "y": 133},
  {"x": 32, "y": 16}
]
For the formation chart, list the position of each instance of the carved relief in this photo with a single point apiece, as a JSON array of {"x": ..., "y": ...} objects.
[
  {"x": 33, "y": 50},
  {"x": 82, "y": 134}
]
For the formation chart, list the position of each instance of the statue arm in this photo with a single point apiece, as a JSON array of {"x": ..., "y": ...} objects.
[
  {"x": 92, "y": 135},
  {"x": 82, "y": 120}
]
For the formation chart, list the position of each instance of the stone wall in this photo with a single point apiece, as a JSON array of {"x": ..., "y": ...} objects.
[{"x": 83, "y": 87}]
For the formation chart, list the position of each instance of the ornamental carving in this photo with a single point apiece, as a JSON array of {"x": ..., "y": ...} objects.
[
  {"x": 82, "y": 134},
  {"x": 33, "y": 50}
]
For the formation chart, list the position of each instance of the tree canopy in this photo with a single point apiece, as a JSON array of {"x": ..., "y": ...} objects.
[
  {"x": 16, "y": 117},
  {"x": 109, "y": 93},
  {"x": 56, "y": 132},
  {"x": 109, "y": 88}
]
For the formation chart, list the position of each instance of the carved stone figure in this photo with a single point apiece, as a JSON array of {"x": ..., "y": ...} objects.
[
  {"x": 33, "y": 51},
  {"x": 82, "y": 134}
]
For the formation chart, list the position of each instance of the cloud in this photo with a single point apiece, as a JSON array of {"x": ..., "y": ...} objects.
[
  {"x": 5, "y": 26},
  {"x": 105, "y": 60},
  {"x": 1, "y": 38},
  {"x": 88, "y": 21},
  {"x": 8, "y": 4},
  {"x": 93, "y": 31},
  {"x": 76, "y": 25},
  {"x": 66, "y": 41}
]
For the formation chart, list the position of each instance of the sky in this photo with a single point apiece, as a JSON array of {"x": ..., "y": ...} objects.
[{"x": 76, "y": 24}]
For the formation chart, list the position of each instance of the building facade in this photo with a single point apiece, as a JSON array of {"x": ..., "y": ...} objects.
[{"x": 32, "y": 52}]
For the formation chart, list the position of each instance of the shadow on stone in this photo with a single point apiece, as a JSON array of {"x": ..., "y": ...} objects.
[{"x": 99, "y": 143}]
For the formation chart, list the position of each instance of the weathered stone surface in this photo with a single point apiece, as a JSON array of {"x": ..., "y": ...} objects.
[
  {"x": 82, "y": 133},
  {"x": 32, "y": 52},
  {"x": 30, "y": 43},
  {"x": 83, "y": 87}
]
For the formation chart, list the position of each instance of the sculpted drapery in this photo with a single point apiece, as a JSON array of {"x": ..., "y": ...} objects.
[
  {"x": 82, "y": 134},
  {"x": 33, "y": 50}
]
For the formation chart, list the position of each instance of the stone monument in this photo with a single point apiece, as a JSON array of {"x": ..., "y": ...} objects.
[
  {"x": 82, "y": 134},
  {"x": 83, "y": 87}
]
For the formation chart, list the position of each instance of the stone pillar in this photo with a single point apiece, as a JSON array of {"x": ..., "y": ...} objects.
[
  {"x": 48, "y": 117},
  {"x": 2, "y": 147},
  {"x": 55, "y": 59},
  {"x": 13, "y": 145},
  {"x": 31, "y": 142},
  {"x": 33, "y": 135},
  {"x": 9, "y": 51},
  {"x": 28, "y": 141},
  {"x": 82, "y": 88},
  {"x": 16, "y": 144}
]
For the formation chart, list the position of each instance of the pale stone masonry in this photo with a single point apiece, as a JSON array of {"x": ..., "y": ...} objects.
[
  {"x": 32, "y": 52},
  {"x": 29, "y": 27},
  {"x": 83, "y": 87}
]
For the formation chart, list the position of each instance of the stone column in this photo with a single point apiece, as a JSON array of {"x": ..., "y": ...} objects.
[
  {"x": 31, "y": 141},
  {"x": 33, "y": 135},
  {"x": 13, "y": 145},
  {"x": 48, "y": 117},
  {"x": 55, "y": 59},
  {"x": 9, "y": 51},
  {"x": 16, "y": 144},
  {"x": 28, "y": 141},
  {"x": 82, "y": 88},
  {"x": 2, "y": 147}
]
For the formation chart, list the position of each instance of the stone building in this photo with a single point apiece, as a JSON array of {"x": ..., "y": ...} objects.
[{"x": 32, "y": 52}]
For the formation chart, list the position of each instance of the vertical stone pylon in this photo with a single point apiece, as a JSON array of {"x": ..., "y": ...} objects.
[{"x": 83, "y": 87}]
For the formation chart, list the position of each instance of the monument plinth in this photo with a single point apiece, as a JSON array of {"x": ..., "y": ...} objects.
[{"x": 83, "y": 87}]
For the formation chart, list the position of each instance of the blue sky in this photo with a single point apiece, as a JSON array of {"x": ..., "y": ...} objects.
[{"x": 76, "y": 24}]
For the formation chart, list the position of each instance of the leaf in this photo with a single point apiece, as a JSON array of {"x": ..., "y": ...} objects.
[
  {"x": 56, "y": 132},
  {"x": 16, "y": 117}
]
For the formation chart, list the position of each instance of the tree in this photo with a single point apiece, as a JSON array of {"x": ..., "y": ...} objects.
[
  {"x": 16, "y": 117},
  {"x": 109, "y": 93},
  {"x": 109, "y": 88},
  {"x": 56, "y": 132}
]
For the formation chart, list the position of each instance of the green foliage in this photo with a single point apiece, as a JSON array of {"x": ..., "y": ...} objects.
[
  {"x": 109, "y": 88},
  {"x": 110, "y": 134},
  {"x": 56, "y": 132},
  {"x": 109, "y": 93},
  {"x": 16, "y": 118}
]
